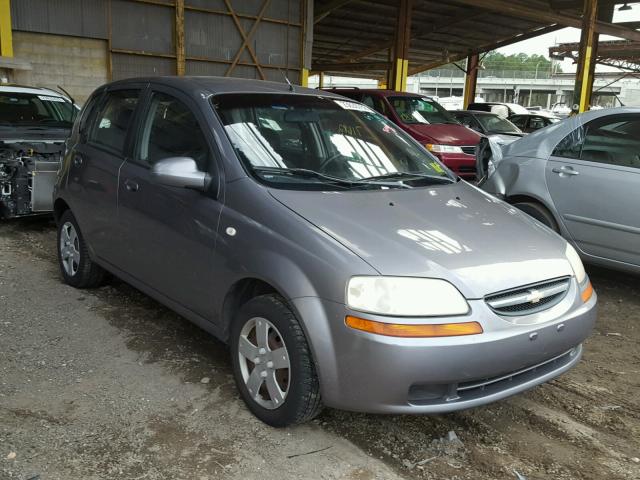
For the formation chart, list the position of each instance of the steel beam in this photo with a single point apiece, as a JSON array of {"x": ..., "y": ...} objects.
[
  {"x": 515, "y": 10},
  {"x": 6, "y": 35},
  {"x": 586, "y": 57},
  {"x": 350, "y": 67},
  {"x": 180, "y": 49},
  {"x": 246, "y": 38},
  {"x": 456, "y": 56},
  {"x": 327, "y": 9},
  {"x": 471, "y": 80},
  {"x": 399, "y": 71}
]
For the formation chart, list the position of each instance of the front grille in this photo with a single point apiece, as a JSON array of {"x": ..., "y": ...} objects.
[
  {"x": 469, "y": 150},
  {"x": 530, "y": 298}
]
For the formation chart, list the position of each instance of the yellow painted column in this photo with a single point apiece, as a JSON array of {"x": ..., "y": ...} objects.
[
  {"x": 584, "y": 73},
  {"x": 304, "y": 77},
  {"x": 180, "y": 48},
  {"x": 397, "y": 76},
  {"x": 6, "y": 35},
  {"x": 470, "y": 80}
]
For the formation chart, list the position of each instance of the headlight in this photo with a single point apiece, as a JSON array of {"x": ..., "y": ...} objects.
[
  {"x": 405, "y": 296},
  {"x": 443, "y": 148},
  {"x": 576, "y": 263},
  {"x": 586, "y": 289}
]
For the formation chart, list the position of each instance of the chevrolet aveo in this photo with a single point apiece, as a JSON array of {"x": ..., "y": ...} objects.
[{"x": 341, "y": 261}]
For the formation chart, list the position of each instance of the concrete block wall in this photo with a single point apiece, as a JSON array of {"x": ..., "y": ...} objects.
[{"x": 79, "y": 65}]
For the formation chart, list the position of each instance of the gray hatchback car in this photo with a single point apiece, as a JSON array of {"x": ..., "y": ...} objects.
[
  {"x": 342, "y": 262},
  {"x": 581, "y": 178}
]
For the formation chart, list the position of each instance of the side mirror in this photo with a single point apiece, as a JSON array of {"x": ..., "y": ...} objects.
[{"x": 180, "y": 172}]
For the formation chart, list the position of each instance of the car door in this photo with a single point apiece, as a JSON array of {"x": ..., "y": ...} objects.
[
  {"x": 96, "y": 160},
  {"x": 593, "y": 177},
  {"x": 170, "y": 232}
]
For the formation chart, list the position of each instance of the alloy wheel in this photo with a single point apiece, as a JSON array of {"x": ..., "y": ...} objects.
[
  {"x": 69, "y": 249},
  {"x": 264, "y": 363}
]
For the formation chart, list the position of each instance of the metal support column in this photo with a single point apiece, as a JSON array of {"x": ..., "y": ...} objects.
[
  {"x": 471, "y": 79},
  {"x": 306, "y": 42},
  {"x": 6, "y": 35},
  {"x": 584, "y": 78},
  {"x": 180, "y": 49},
  {"x": 397, "y": 77}
]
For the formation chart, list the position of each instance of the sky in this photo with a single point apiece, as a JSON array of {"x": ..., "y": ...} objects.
[{"x": 540, "y": 45}]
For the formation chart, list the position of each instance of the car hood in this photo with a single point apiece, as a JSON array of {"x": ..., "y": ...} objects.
[
  {"x": 28, "y": 134},
  {"x": 455, "y": 232},
  {"x": 445, "y": 134}
]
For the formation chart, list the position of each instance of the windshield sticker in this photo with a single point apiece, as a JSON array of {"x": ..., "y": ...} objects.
[
  {"x": 436, "y": 166},
  {"x": 350, "y": 130},
  {"x": 270, "y": 124},
  {"x": 47, "y": 98},
  {"x": 353, "y": 106}
]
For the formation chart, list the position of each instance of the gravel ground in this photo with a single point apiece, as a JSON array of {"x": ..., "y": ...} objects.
[{"x": 107, "y": 384}]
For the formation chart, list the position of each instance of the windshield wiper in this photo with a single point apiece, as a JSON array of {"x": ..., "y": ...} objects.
[
  {"x": 304, "y": 172},
  {"x": 409, "y": 176}
]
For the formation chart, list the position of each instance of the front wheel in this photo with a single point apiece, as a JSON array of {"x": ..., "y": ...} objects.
[
  {"x": 540, "y": 213},
  {"x": 77, "y": 268},
  {"x": 272, "y": 363}
]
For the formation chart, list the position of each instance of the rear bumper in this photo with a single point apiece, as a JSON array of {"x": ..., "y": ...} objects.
[
  {"x": 460, "y": 163},
  {"x": 365, "y": 372}
]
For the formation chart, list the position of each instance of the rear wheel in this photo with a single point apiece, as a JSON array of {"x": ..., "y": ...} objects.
[
  {"x": 77, "y": 268},
  {"x": 540, "y": 213},
  {"x": 272, "y": 363}
]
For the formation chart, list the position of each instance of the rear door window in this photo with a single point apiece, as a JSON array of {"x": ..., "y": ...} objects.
[{"x": 113, "y": 119}]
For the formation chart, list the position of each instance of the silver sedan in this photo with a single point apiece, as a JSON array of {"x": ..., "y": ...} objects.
[{"x": 581, "y": 178}]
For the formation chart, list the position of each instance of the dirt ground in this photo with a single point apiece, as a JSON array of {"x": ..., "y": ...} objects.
[{"x": 108, "y": 384}]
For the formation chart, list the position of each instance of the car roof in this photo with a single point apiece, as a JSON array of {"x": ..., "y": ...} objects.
[
  {"x": 7, "y": 87},
  {"x": 196, "y": 85},
  {"x": 475, "y": 112},
  {"x": 375, "y": 91}
]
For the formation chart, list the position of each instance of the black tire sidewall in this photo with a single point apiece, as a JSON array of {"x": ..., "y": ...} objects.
[
  {"x": 274, "y": 309},
  {"x": 540, "y": 213}
]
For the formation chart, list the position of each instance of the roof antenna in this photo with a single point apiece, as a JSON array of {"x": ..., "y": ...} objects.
[{"x": 287, "y": 80}]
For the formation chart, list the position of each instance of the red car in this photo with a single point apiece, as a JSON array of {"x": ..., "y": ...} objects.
[{"x": 426, "y": 121}]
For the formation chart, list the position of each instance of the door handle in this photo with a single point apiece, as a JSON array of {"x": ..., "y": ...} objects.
[
  {"x": 77, "y": 160},
  {"x": 131, "y": 186},
  {"x": 565, "y": 171}
]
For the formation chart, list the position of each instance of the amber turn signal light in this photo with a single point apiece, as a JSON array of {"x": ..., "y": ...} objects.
[
  {"x": 587, "y": 293},
  {"x": 414, "y": 331}
]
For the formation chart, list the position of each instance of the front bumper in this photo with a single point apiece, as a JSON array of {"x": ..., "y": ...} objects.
[
  {"x": 371, "y": 373},
  {"x": 460, "y": 163}
]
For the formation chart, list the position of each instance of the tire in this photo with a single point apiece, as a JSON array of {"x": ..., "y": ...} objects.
[
  {"x": 540, "y": 213},
  {"x": 301, "y": 400},
  {"x": 76, "y": 266}
]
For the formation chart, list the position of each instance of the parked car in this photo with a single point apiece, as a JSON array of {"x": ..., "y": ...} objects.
[
  {"x": 488, "y": 124},
  {"x": 505, "y": 110},
  {"x": 341, "y": 261},
  {"x": 532, "y": 121},
  {"x": 561, "y": 110},
  {"x": 34, "y": 123},
  {"x": 581, "y": 178},
  {"x": 427, "y": 121}
]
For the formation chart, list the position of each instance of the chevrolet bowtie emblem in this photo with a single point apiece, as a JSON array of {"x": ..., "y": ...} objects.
[{"x": 534, "y": 296}]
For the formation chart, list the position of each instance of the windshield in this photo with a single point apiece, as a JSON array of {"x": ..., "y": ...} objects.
[
  {"x": 496, "y": 124},
  {"x": 28, "y": 109},
  {"x": 420, "y": 110},
  {"x": 304, "y": 141}
]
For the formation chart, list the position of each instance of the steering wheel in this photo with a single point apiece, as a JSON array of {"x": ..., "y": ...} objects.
[{"x": 328, "y": 161}]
